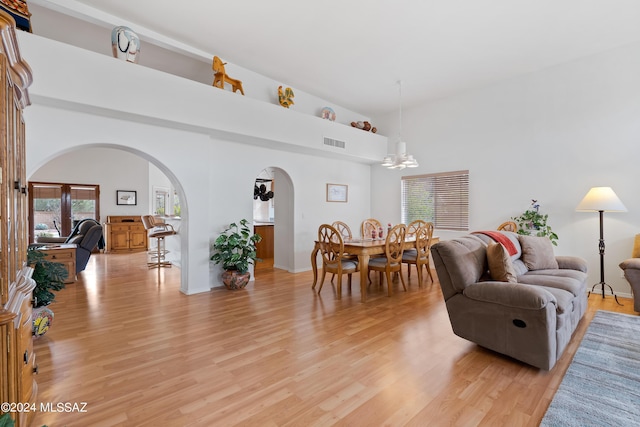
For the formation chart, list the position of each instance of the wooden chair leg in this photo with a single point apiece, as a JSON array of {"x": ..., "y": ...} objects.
[
  {"x": 429, "y": 271},
  {"x": 419, "y": 267},
  {"x": 339, "y": 286},
  {"x": 389, "y": 283},
  {"x": 404, "y": 285},
  {"x": 324, "y": 273}
]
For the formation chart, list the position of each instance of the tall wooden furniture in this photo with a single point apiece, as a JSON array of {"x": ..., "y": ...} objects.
[
  {"x": 17, "y": 361},
  {"x": 125, "y": 234}
]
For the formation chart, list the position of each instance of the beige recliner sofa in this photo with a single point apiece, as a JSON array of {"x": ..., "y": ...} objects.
[
  {"x": 631, "y": 268},
  {"x": 531, "y": 317}
]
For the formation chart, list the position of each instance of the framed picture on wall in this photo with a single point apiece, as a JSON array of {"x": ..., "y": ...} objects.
[
  {"x": 126, "y": 197},
  {"x": 337, "y": 192}
]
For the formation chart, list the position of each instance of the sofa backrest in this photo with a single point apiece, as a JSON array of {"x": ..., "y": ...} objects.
[{"x": 459, "y": 262}]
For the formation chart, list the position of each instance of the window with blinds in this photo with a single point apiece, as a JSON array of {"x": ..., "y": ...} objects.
[{"x": 441, "y": 198}]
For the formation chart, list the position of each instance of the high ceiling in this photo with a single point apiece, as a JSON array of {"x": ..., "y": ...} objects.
[{"x": 353, "y": 52}]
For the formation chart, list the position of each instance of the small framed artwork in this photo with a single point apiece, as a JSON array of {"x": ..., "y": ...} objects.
[
  {"x": 125, "y": 197},
  {"x": 337, "y": 192}
]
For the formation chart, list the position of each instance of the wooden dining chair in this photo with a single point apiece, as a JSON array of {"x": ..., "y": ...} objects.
[
  {"x": 414, "y": 226},
  {"x": 508, "y": 226},
  {"x": 333, "y": 259},
  {"x": 412, "y": 230},
  {"x": 369, "y": 225},
  {"x": 392, "y": 261},
  {"x": 420, "y": 256},
  {"x": 343, "y": 229},
  {"x": 345, "y": 232}
]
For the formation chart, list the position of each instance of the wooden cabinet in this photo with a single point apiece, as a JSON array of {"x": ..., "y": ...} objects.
[
  {"x": 264, "y": 248},
  {"x": 64, "y": 254},
  {"x": 125, "y": 234},
  {"x": 17, "y": 361}
]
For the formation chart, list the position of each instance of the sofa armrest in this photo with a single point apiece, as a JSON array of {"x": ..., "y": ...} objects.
[
  {"x": 632, "y": 263},
  {"x": 50, "y": 239},
  {"x": 572, "y": 263},
  {"x": 510, "y": 294}
]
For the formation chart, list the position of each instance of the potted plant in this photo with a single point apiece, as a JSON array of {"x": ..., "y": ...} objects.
[
  {"x": 532, "y": 222},
  {"x": 49, "y": 276},
  {"x": 235, "y": 249}
]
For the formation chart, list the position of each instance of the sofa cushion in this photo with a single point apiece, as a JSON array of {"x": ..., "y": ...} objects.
[
  {"x": 500, "y": 265},
  {"x": 537, "y": 252},
  {"x": 573, "y": 285},
  {"x": 508, "y": 234},
  {"x": 563, "y": 299}
]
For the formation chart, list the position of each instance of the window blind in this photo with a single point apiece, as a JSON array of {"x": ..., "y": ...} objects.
[{"x": 441, "y": 198}]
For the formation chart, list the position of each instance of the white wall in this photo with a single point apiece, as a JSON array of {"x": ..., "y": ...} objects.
[
  {"x": 196, "y": 67},
  {"x": 203, "y": 139},
  {"x": 110, "y": 169},
  {"x": 550, "y": 136}
]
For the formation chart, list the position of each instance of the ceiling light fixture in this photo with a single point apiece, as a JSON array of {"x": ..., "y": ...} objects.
[{"x": 400, "y": 159}]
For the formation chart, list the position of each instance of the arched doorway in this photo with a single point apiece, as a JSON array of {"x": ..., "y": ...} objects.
[
  {"x": 274, "y": 219},
  {"x": 115, "y": 168}
]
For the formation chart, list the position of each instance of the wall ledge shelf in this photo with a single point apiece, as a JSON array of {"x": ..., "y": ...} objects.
[{"x": 136, "y": 93}]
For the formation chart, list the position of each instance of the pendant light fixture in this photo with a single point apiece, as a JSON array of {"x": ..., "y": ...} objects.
[{"x": 400, "y": 159}]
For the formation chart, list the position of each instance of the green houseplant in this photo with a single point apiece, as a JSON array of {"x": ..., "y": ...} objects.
[
  {"x": 49, "y": 276},
  {"x": 532, "y": 222},
  {"x": 235, "y": 249}
]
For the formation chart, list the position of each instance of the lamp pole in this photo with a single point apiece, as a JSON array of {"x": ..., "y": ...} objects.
[{"x": 601, "y": 249}]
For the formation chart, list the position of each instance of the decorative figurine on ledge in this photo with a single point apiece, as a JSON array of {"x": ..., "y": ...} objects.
[
  {"x": 365, "y": 126},
  {"x": 327, "y": 113},
  {"x": 125, "y": 44},
  {"x": 220, "y": 77},
  {"x": 285, "y": 98}
]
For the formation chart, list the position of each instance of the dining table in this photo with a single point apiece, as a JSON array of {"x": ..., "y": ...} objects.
[{"x": 363, "y": 249}]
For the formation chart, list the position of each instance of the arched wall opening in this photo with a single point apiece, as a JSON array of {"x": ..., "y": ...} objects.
[
  {"x": 277, "y": 212},
  {"x": 114, "y": 167}
]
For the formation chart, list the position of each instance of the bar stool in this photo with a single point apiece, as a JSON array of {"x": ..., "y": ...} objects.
[{"x": 158, "y": 230}]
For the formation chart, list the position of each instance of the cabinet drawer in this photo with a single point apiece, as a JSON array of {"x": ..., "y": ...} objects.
[
  {"x": 119, "y": 227},
  {"x": 60, "y": 255}
]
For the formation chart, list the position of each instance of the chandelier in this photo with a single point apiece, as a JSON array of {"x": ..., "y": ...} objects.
[{"x": 400, "y": 159}]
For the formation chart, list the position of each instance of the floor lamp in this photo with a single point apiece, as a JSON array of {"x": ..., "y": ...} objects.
[{"x": 601, "y": 200}]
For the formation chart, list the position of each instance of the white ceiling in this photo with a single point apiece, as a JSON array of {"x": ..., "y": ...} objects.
[{"x": 353, "y": 52}]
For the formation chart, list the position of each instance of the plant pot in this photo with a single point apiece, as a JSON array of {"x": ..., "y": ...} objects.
[
  {"x": 42, "y": 318},
  {"x": 234, "y": 280}
]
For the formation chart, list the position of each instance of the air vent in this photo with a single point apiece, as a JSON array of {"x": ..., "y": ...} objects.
[{"x": 334, "y": 142}]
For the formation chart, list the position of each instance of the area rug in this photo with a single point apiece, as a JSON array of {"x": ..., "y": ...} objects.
[{"x": 602, "y": 385}]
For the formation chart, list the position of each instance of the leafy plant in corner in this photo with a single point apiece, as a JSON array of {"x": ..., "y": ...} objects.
[
  {"x": 6, "y": 420},
  {"x": 235, "y": 248},
  {"x": 49, "y": 276},
  {"x": 532, "y": 221}
]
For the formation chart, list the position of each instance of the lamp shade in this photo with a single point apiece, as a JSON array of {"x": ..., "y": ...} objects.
[{"x": 601, "y": 199}]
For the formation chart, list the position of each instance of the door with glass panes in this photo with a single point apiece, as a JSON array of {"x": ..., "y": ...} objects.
[{"x": 55, "y": 208}]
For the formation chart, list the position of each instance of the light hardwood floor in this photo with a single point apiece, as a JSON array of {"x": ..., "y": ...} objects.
[{"x": 140, "y": 353}]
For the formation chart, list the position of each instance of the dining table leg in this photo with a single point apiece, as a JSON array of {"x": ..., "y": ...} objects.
[
  {"x": 363, "y": 261},
  {"x": 314, "y": 264}
]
